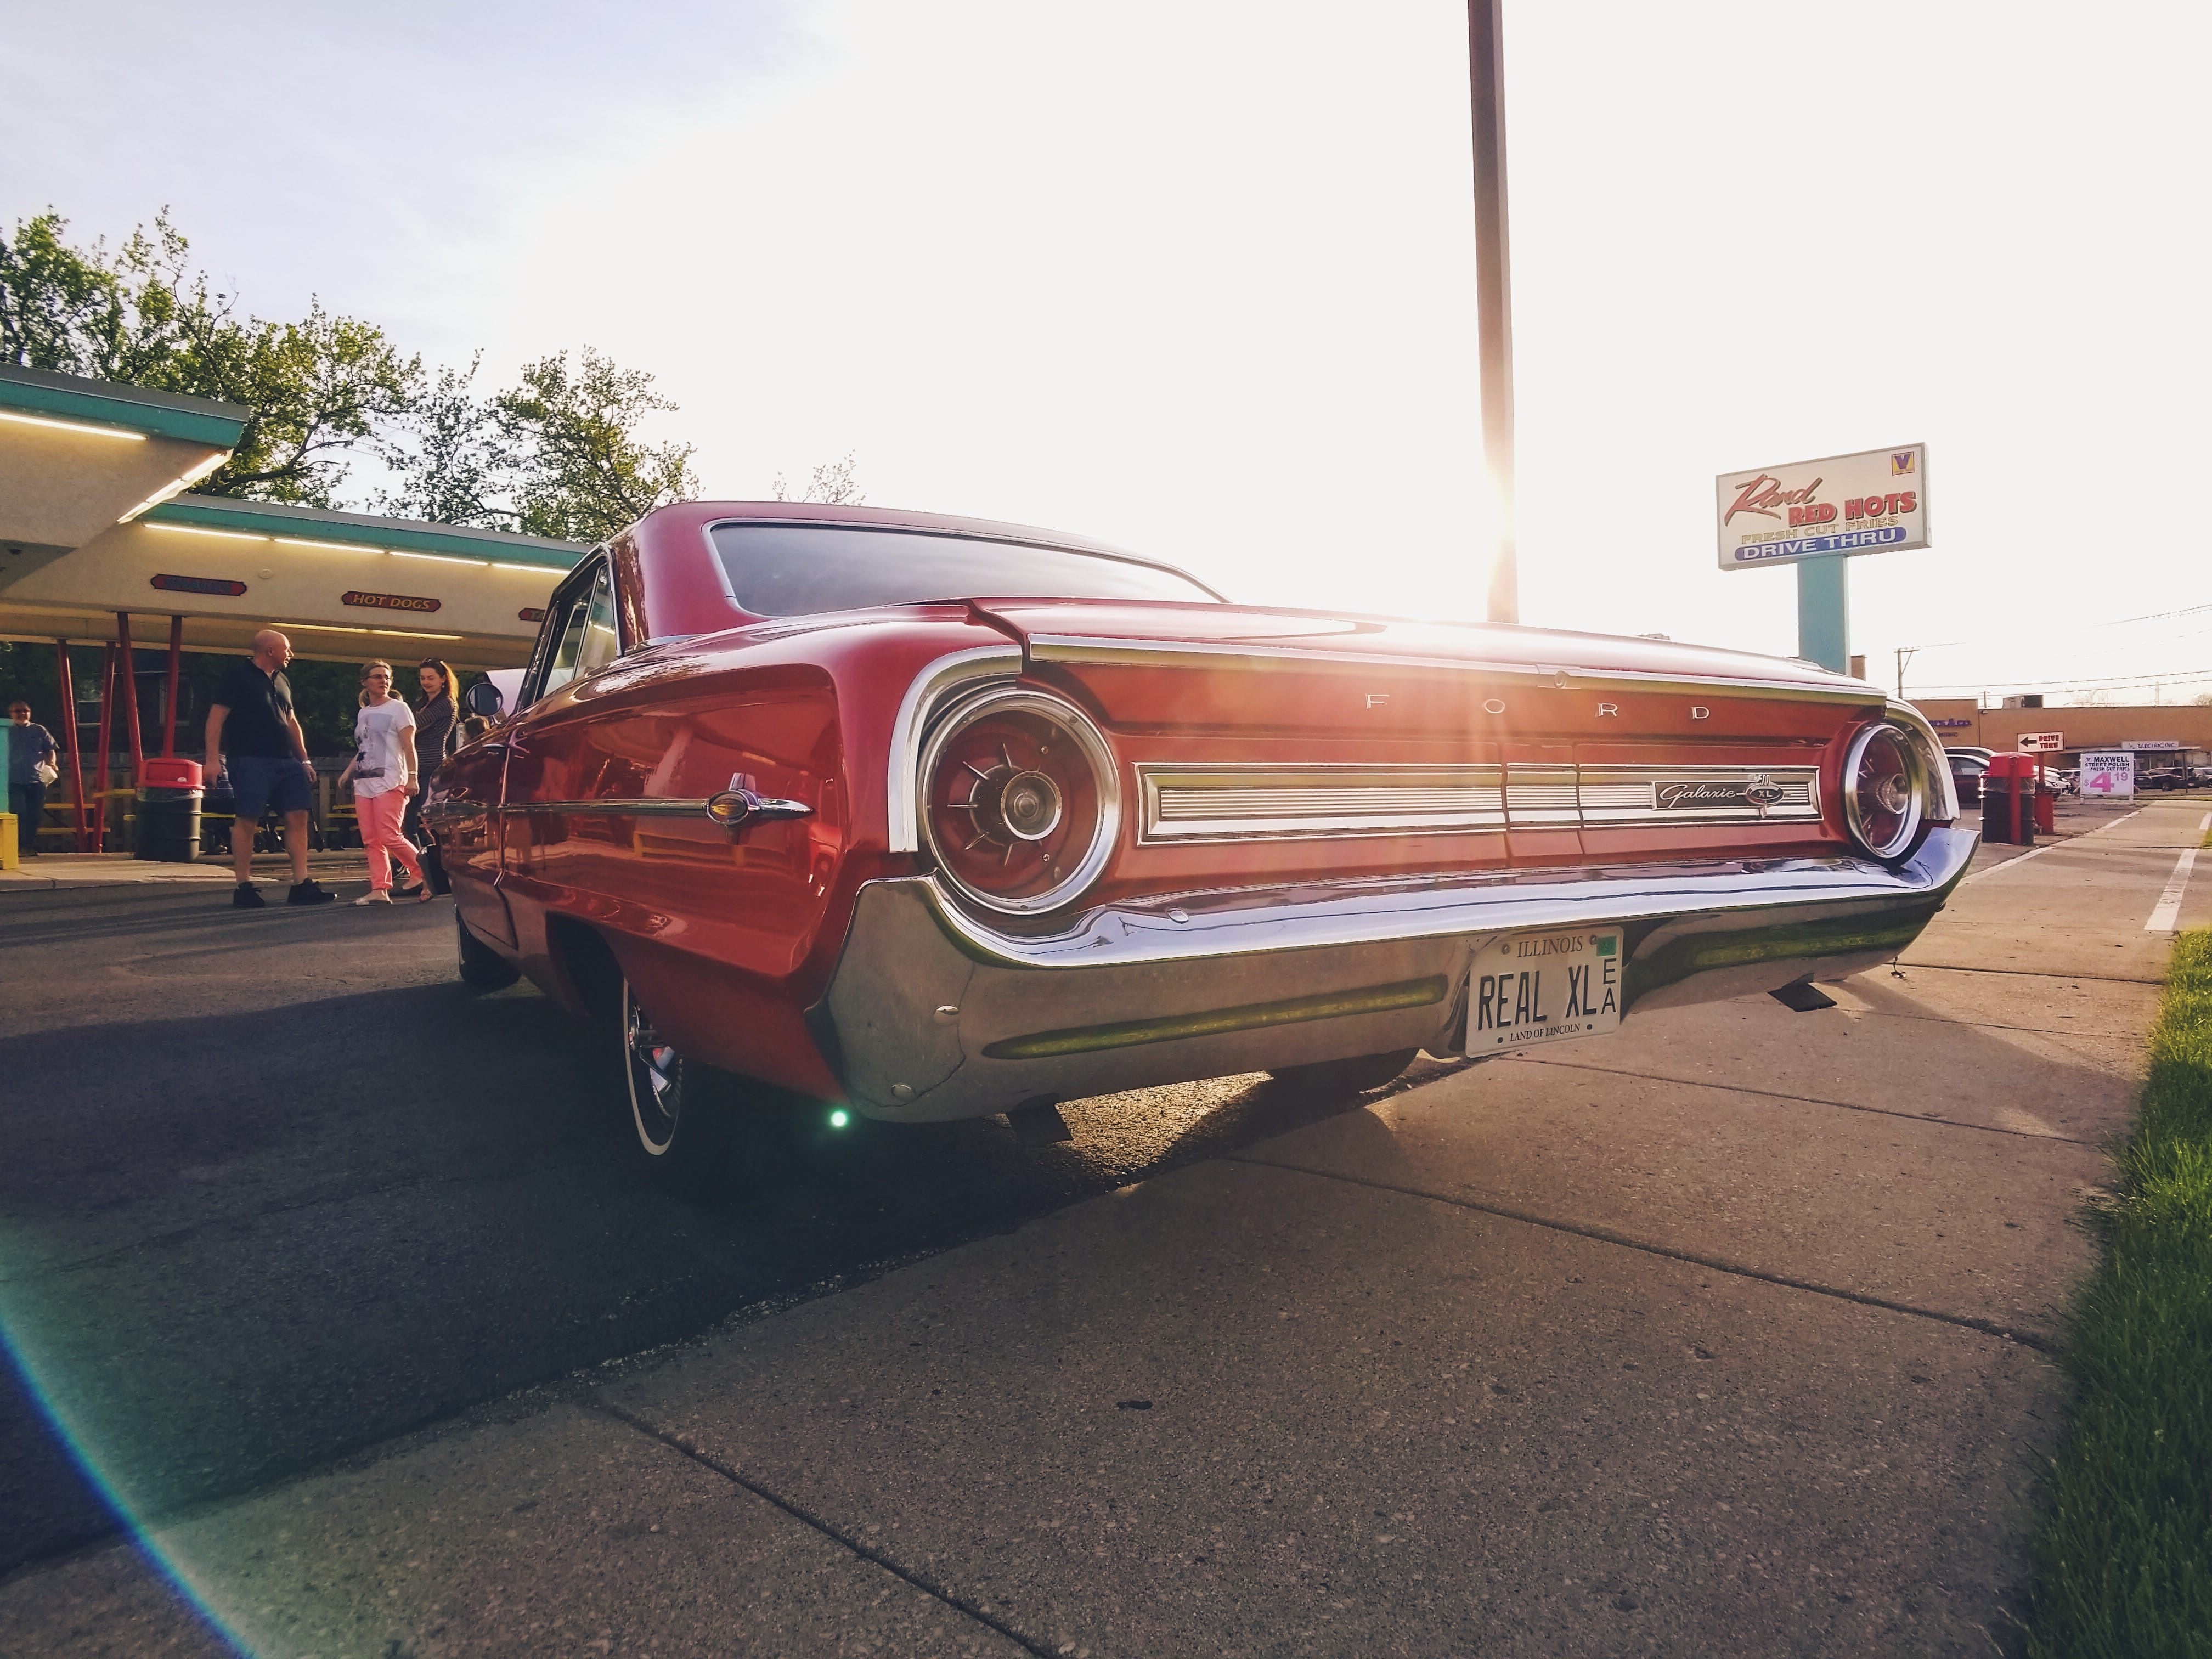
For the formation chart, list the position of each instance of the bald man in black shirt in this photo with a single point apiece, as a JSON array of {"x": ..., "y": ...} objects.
[{"x": 268, "y": 764}]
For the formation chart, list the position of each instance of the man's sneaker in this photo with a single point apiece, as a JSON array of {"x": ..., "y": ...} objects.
[
  {"x": 248, "y": 896},
  {"x": 308, "y": 892}
]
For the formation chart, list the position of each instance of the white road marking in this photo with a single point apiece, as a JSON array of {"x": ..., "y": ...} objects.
[
  {"x": 2167, "y": 917},
  {"x": 2040, "y": 851}
]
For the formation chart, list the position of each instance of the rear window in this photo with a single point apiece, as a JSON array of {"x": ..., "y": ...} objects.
[{"x": 795, "y": 570}]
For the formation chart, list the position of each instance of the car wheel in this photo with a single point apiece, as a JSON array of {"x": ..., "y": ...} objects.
[
  {"x": 1345, "y": 1077},
  {"x": 686, "y": 1116},
  {"x": 483, "y": 969}
]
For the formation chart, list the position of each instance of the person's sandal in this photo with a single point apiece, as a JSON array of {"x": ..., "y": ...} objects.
[{"x": 375, "y": 896}]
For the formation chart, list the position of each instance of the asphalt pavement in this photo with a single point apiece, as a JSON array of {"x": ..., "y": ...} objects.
[{"x": 1731, "y": 1334}]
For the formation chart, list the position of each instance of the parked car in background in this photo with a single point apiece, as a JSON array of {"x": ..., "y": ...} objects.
[
  {"x": 1967, "y": 766},
  {"x": 934, "y": 818},
  {"x": 2166, "y": 778}
]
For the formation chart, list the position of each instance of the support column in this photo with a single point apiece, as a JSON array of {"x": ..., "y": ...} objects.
[
  {"x": 129, "y": 682},
  {"x": 69, "y": 732},
  {"x": 99, "y": 770},
  {"x": 1824, "y": 629},
  {"x": 1494, "y": 293},
  {"x": 176, "y": 666}
]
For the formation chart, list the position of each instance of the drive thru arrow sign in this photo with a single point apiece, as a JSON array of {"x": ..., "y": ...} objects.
[{"x": 2041, "y": 743}]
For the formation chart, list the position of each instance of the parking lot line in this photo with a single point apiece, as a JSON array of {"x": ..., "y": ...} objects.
[
  {"x": 1821, "y": 1100},
  {"x": 2167, "y": 914},
  {"x": 2040, "y": 851},
  {"x": 2009, "y": 1332}
]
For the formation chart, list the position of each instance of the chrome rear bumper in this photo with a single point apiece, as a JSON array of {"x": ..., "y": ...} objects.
[{"x": 934, "y": 1015}]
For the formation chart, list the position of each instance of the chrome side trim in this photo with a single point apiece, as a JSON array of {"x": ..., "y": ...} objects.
[
  {"x": 1183, "y": 928},
  {"x": 1180, "y": 653},
  {"x": 642, "y": 806},
  {"x": 1226, "y": 802},
  {"x": 902, "y": 801},
  {"x": 1210, "y": 801}
]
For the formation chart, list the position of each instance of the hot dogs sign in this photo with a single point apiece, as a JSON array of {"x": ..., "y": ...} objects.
[{"x": 1873, "y": 503}]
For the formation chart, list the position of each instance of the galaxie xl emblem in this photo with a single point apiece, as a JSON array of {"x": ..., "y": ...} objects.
[{"x": 1758, "y": 792}]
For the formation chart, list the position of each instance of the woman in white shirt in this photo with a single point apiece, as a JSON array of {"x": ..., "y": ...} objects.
[{"x": 382, "y": 773}]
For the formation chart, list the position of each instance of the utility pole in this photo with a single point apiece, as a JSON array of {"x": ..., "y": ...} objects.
[
  {"x": 1493, "y": 295},
  {"x": 1905, "y": 654}
]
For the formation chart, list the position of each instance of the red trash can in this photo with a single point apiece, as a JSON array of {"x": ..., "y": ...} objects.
[{"x": 2008, "y": 801}]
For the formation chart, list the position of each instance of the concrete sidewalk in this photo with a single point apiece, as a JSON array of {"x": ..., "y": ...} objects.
[
  {"x": 51, "y": 872},
  {"x": 1727, "y": 1335}
]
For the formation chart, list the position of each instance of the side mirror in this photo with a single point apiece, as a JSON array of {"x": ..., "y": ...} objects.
[{"x": 483, "y": 700}]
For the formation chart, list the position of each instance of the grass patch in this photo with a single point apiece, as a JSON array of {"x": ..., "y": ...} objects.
[{"x": 2124, "y": 1561}]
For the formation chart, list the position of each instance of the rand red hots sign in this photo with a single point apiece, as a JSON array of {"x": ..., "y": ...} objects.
[{"x": 1873, "y": 503}]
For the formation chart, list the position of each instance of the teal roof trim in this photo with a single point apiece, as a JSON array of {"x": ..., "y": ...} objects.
[
  {"x": 360, "y": 530},
  {"x": 67, "y": 396}
]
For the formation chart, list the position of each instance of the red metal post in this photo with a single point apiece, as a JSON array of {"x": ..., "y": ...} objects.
[
  {"x": 69, "y": 729},
  {"x": 100, "y": 750},
  {"x": 129, "y": 682},
  {"x": 176, "y": 663}
]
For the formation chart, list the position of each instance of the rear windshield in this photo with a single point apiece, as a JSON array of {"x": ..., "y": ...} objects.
[{"x": 795, "y": 570}]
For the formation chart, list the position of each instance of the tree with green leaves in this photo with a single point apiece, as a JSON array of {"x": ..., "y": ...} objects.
[
  {"x": 142, "y": 316},
  {"x": 561, "y": 454},
  {"x": 584, "y": 472}
]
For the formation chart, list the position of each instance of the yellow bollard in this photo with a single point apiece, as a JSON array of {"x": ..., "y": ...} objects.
[{"x": 7, "y": 841}]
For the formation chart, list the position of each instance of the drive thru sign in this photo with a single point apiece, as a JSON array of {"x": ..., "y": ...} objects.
[
  {"x": 2041, "y": 743},
  {"x": 2108, "y": 774},
  {"x": 1872, "y": 502}
]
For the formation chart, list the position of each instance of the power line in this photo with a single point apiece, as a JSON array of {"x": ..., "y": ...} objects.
[
  {"x": 2118, "y": 621},
  {"x": 2115, "y": 684}
]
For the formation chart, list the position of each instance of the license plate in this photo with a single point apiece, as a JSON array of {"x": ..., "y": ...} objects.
[{"x": 1530, "y": 988}]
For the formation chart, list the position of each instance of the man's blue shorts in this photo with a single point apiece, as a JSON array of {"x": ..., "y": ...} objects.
[{"x": 260, "y": 783}]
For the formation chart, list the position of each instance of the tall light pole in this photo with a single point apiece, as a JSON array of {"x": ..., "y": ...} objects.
[{"x": 1494, "y": 293}]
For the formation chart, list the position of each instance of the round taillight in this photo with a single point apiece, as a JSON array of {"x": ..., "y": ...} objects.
[
  {"x": 1020, "y": 802},
  {"x": 1885, "y": 790}
]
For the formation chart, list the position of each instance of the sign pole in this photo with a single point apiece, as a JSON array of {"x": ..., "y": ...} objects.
[
  {"x": 1824, "y": 627},
  {"x": 1493, "y": 294}
]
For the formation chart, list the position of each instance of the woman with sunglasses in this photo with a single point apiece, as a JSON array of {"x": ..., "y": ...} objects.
[{"x": 382, "y": 773}]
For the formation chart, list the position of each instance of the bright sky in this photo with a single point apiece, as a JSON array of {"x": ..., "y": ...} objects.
[{"x": 1198, "y": 277}]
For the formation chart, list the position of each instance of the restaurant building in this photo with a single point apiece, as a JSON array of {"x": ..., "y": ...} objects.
[{"x": 2180, "y": 731}]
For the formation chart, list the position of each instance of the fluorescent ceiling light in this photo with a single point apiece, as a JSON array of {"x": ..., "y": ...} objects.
[
  {"x": 74, "y": 425},
  {"x": 534, "y": 570},
  {"x": 327, "y": 547},
  {"x": 435, "y": 558},
  {"x": 168, "y": 489},
  {"x": 194, "y": 530},
  {"x": 322, "y": 628},
  {"x": 409, "y": 634}
]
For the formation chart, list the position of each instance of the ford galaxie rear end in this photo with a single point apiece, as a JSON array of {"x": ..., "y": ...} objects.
[{"x": 939, "y": 818}]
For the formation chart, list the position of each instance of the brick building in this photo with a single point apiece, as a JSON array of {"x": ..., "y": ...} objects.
[{"x": 2188, "y": 726}]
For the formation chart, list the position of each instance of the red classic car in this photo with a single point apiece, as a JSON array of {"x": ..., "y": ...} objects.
[{"x": 934, "y": 818}]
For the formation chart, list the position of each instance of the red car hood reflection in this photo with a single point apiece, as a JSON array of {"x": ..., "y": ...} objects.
[{"x": 1247, "y": 627}]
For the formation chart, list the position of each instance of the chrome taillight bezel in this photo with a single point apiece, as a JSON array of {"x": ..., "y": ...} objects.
[
  {"x": 1915, "y": 817},
  {"x": 1081, "y": 872}
]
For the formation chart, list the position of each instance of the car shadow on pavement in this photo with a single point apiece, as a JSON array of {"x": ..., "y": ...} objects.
[{"x": 232, "y": 1247}]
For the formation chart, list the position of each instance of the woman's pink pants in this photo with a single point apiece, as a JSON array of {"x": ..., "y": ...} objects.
[{"x": 380, "y": 817}]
